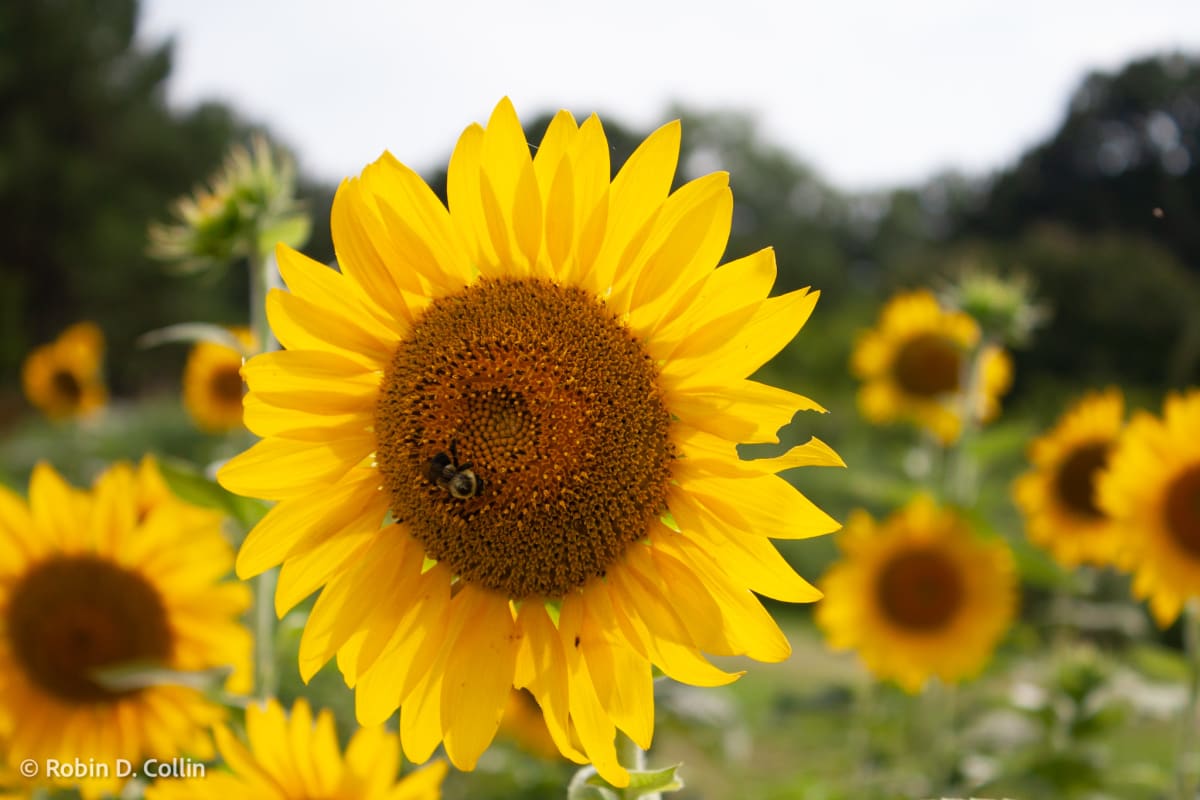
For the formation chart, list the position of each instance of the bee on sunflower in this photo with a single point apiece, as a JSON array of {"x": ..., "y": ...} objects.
[{"x": 567, "y": 338}]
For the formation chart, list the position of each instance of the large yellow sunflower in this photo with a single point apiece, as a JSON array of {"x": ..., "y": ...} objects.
[
  {"x": 1151, "y": 489},
  {"x": 918, "y": 595},
  {"x": 123, "y": 575},
  {"x": 913, "y": 362},
  {"x": 522, "y": 386},
  {"x": 63, "y": 379},
  {"x": 295, "y": 758},
  {"x": 1058, "y": 496},
  {"x": 212, "y": 383}
]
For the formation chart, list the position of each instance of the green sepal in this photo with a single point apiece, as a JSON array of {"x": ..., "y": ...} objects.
[{"x": 588, "y": 785}]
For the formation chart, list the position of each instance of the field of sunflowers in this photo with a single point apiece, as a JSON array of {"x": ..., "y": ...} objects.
[{"x": 551, "y": 480}]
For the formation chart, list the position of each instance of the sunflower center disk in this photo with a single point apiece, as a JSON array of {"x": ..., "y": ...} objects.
[
  {"x": 522, "y": 436},
  {"x": 226, "y": 386},
  {"x": 920, "y": 590},
  {"x": 73, "y": 615},
  {"x": 66, "y": 386},
  {"x": 928, "y": 366},
  {"x": 1076, "y": 479},
  {"x": 1182, "y": 510}
]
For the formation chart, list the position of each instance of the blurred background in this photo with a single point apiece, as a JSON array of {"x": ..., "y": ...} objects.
[{"x": 875, "y": 147}]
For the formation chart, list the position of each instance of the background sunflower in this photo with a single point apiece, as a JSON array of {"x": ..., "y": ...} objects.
[
  {"x": 1058, "y": 495},
  {"x": 914, "y": 361},
  {"x": 918, "y": 595},
  {"x": 94, "y": 584},
  {"x": 64, "y": 378},
  {"x": 212, "y": 383},
  {"x": 1151, "y": 489},
  {"x": 294, "y": 757}
]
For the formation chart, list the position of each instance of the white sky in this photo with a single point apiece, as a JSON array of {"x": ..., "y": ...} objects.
[{"x": 870, "y": 93}]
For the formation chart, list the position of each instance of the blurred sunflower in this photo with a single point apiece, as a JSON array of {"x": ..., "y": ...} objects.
[
  {"x": 291, "y": 758},
  {"x": 63, "y": 379},
  {"x": 212, "y": 383},
  {"x": 1151, "y": 489},
  {"x": 1058, "y": 496},
  {"x": 118, "y": 577},
  {"x": 912, "y": 364},
  {"x": 525, "y": 383},
  {"x": 524, "y": 724},
  {"x": 918, "y": 595}
]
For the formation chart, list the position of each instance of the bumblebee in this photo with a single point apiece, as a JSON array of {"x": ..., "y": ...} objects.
[{"x": 444, "y": 470}]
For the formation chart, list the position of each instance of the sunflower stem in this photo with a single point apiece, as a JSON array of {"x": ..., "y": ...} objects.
[
  {"x": 1189, "y": 755},
  {"x": 961, "y": 478},
  {"x": 632, "y": 757}
]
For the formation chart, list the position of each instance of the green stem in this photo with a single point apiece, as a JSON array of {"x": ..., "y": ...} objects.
[
  {"x": 1186, "y": 762},
  {"x": 633, "y": 757},
  {"x": 961, "y": 478},
  {"x": 264, "y": 275}
]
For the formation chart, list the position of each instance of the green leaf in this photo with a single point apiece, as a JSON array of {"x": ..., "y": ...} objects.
[
  {"x": 588, "y": 785},
  {"x": 292, "y": 231},
  {"x": 191, "y": 332},
  {"x": 647, "y": 782},
  {"x": 128, "y": 677},
  {"x": 188, "y": 483}
]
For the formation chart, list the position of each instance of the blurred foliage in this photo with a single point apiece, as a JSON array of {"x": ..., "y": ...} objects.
[
  {"x": 90, "y": 155},
  {"x": 1130, "y": 144}
]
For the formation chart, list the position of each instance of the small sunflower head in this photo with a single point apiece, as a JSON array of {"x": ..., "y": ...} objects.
[
  {"x": 64, "y": 378},
  {"x": 250, "y": 201},
  {"x": 918, "y": 595},
  {"x": 212, "y": 382}
]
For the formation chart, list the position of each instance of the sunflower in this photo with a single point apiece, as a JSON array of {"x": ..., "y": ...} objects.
[
  {"x": 123, "y": 575},
  {"x": 291, "y": 758},
  {"x": 912, "y": 365},
  {"x": 1151, "y": 489},
  {"x": 63, "y": 378},
  {"x": 541, "y": 389},
  {"x": 918, "y": 595},
  {"x": 1058, "y": 496},
  {"x": 212, "y": 383}
]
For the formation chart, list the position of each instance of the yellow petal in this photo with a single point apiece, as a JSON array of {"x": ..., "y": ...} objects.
[
  {"x": 473, "y": 699},
  {"x": 596, "y": 731},
  {"x": 750, "y": 560},
  {"x": 740, "y": 411},
  {"x": 771, "y": 327},
  {"x": 277, "y": 469},
  {"x": 765, "y": 505},
  {"x": 306, "y": 521},
  {"x": 636, "y": 194},
  {"x": 542, "y": 668}
]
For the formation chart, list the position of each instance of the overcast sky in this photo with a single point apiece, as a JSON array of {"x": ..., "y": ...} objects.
[{"x": 872, "y": 94}]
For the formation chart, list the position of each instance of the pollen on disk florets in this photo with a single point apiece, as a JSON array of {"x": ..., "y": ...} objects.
[{"x": 545, "y": 396}]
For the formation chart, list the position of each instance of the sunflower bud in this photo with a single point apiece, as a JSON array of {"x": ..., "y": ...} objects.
[
  {"x": 248, "y": 206},
  {"x": 1002, "y": 305}
]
